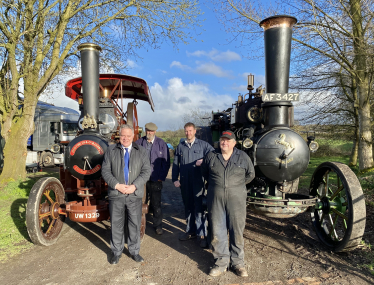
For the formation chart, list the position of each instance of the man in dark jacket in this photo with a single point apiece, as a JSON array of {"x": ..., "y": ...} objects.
[
  {"x": 160, "y": 164},
  {"x": 186, "y": 174},
  {"x": 125, "y": 169},
  {"x": 227, "y": 172}
]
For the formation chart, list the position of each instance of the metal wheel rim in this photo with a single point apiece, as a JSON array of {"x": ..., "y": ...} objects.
[
  {"x": 339, "y": 216},
  {"x": 50, "y": 227}
]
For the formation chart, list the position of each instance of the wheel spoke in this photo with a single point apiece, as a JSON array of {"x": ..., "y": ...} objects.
[
  {"x": 44, "y": 215},
  {"x": 337, "y": 192},
  {"x": 345, "y": 224},
  {"x": 46, "y": 194},
  {"x": 333, "y": 228},
  {"x": 50, "y": 227},
  {"x": 321, "y": 218},
  {"x": 339, "y": 214},
  {"x": 326, "y": 181}
]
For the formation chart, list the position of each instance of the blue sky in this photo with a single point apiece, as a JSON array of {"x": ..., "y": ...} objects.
[{"x": 207, "y": 74}]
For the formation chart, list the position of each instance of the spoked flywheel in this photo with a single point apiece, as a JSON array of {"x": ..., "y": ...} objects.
[
  {"x": 45, "y": 213},
  {"x": 340, "y": 214}
]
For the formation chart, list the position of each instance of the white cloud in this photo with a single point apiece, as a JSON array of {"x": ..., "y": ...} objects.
[
  {"x": 131, "y": 64},
  {"x": 211, "y": 68},
  {"x": 216, "y": 55},
  {"x": 176, "y": 99},
  {"x": 204, "y": 68},
  {"x": 180, "y": 65}
]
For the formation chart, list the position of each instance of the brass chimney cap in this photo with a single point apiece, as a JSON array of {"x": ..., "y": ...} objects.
[
  {"x": 278, "y": 21},
  {"x": 89, "y": 46}
]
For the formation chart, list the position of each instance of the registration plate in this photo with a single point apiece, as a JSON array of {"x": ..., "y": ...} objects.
[{"x": 273, "y": 97}]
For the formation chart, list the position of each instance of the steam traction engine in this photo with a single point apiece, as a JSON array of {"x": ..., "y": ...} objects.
[
  {"x": 261, "y": 122},
  {"x": 80, "y": 194}
]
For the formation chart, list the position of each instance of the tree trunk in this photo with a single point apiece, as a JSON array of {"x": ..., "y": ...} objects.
[
  {"x": 15, "y": 150},
  {"x": 354, "y": 153},
  {"x": 365, "y": 154}
]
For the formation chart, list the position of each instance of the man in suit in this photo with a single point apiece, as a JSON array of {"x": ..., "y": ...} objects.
[
  {"x": 160, "y": 164},
  {"x": 125, "y": 169}
]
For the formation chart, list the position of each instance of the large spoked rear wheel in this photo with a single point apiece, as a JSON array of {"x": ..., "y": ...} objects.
[
  {"x": 43, "y": 219},
  {"x": 340, "y": 214}
]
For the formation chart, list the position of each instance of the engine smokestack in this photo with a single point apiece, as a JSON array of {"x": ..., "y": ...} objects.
[
  {"x": 90, "y": 84},
  {"x": 278, "y": 35}
]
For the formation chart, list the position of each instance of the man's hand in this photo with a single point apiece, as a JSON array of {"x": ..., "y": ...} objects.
[
  {"x": 130, "y": 189},
  {"x": 125, "y": 189},
  {"x": 121, "y": 188},
  {"x": 177, "y": 183},
  {"x": 199, "y": 162}
]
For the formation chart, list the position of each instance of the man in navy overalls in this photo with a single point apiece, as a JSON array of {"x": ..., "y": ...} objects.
[{"x": 186, "y": 174}]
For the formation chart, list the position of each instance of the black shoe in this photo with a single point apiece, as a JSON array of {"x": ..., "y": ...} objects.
[
  {"x": 159, "y": 231},
  {"x": 137, "y": 258},
  {"x": 114, "y": 259},
  {"x": 186, "y": 236},
  {"x": 203, "y": 242}
]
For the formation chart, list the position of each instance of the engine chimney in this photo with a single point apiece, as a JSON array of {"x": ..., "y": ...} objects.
[
  {"x": 90, "y": 84},
  {"x": 278, "y": 35}
]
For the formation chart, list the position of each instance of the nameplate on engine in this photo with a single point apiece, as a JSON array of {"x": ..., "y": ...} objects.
[{"x": 274, "y": 97}]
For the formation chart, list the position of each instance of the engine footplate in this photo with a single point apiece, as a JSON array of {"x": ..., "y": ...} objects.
[{"x": 277, "y": 207}]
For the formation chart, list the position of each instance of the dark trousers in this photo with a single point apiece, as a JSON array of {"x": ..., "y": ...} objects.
[
  {"x": 194, "y": 213},
  {"x": 227, "y": 214},
  {"x": 154, "y": 196},
  {"x": 118, "y": 207}
]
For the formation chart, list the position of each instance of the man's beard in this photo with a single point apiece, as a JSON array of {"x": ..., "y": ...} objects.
[{"x": 150, "y": 137}]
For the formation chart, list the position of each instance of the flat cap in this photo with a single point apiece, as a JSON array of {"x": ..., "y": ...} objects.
[{"x": 151, "y": 126}]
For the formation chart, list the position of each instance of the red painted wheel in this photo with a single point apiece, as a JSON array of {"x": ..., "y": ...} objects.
[{"x": 43, "y": 219}]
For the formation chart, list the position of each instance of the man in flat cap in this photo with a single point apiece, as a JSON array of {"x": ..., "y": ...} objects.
[
  {"x": 227, "y": 171},
  {"x": 160, "y": 163}
]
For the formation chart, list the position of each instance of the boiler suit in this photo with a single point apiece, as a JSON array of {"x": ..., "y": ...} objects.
[
  {"x": 192, "y": 183},
  {"x": 226, "y": 197}
]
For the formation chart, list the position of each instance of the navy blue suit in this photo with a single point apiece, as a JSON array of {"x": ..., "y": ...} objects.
[{"x": 192, "y": 183}]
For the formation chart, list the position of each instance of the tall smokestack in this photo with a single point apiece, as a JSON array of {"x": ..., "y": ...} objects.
[
  {"x": 278, "y": 35},
  {"x": 90, "y": 84}
]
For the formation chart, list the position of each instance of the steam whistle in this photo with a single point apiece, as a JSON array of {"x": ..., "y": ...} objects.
[{"x": 259, "y": 90}]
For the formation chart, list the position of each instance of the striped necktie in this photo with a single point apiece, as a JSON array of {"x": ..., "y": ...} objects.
[{"x": 126, "y": 169}]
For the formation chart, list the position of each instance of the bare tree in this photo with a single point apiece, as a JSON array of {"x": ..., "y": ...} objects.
[
  {"x": 39, "y": 39},
  {"x": 334, "y": 34},
  {"x": 198, "y": 117}
]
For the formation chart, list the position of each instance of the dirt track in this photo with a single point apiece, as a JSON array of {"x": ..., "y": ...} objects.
[{"x": 277, "y": 252}]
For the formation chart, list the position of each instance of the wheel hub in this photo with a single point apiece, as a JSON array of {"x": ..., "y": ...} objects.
[
  {"x": 325, "y": 205},
  {"x": 54, "y": 210}
]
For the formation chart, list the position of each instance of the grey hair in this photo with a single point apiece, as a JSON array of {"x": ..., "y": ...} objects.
[{"x": 126, "y": 126}]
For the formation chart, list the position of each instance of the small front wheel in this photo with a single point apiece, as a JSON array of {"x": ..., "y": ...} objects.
[
  {"x": 339, "y": 217},
  {"x": 44, "y": 219},
  {"x": 47, "y": 159}
]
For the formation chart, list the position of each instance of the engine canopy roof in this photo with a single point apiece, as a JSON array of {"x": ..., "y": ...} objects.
[{"x": 129, "y": 87}]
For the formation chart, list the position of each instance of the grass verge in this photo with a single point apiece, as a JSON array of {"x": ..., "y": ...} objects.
[{"x": 13, "y": 200}]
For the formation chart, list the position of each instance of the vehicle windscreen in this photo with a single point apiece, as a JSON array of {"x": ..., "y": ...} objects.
[{"x": 69, "y": 129}]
